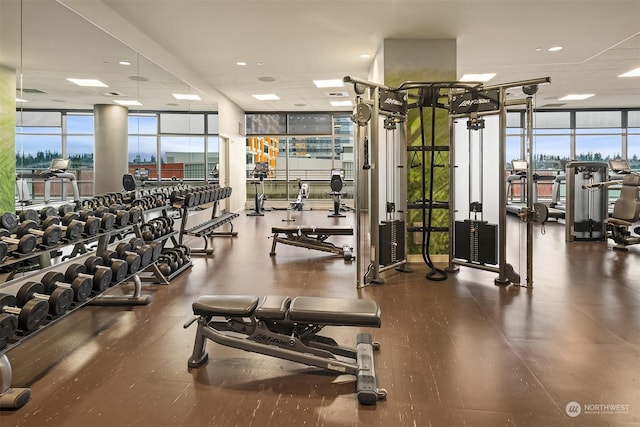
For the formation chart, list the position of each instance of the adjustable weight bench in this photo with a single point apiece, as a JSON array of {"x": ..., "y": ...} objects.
[
  {"x": 312, "y": 238},
  {"x": 288, "y": 328}
]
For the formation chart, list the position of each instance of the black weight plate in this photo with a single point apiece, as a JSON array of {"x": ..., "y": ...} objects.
[
  {"x": 4, "y": 249},
  {"x": 134, "y": 261},
  {"x": 108, "y": 221},
  {"x": 52, "y": 235},
  {"x": 146, "y": 255},
  {"x": 27, "y": 244},
  {"x": 29, "y": 215},
  {"x": 47, "y": 212},
  {"x": 73, "y": 271},
  {"x": 92, "y": 262},
  {"x": 60, "y": 300},
  {"x": 101, "y": 279},
  {"x": 33, "y": 313},
  {"x": 82, "y": 288},
  {"x": 92, "y": 226},
  {"x": 119, "y": 269},
  {"x": 26, "y": 291},
  {"x": 8, "y": 327}
]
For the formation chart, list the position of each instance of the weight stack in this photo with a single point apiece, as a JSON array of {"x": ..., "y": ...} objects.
[
  {"x": 476, "y": 241},
  {"x": 391, "y": 244}
]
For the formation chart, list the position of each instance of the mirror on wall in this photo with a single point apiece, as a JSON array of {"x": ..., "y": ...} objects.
[{"x": 46, "y": 45}]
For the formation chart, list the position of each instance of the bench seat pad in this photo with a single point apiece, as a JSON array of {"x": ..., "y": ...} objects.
[
  {"x": 335, "y": 311},
  {"x": 309, "y": 229},
  {"x": 225, "y": 305}
]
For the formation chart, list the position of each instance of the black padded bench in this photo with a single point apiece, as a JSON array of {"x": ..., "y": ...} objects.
[
  {"x": 312, "y": 237},
  {"x": 288, "y": 328}
]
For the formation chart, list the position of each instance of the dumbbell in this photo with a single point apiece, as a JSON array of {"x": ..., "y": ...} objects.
[
  {"x": 111, "y": 259},
  {"x": 59, "y": 300},
  {"x": 24, "y": 245},
  {"x": 47, "y": 211},
  {"x": 4, "y": 250},
  {"x": 145, "y": 251},
  {"x": 8, "y": 328},
  {"x": 65, "y": 209},
  {"x": 81, "y": 286},
  {"x": 107, "y": 219},
  {"x": 28, "y": 215},
  {"x": 90, "y": 227},
  {"x": 131, "y": 264},
  {"x": 51, "y": 235},
  {"x": 30, "y": 316},
  {"x": 134, "y": 260},
  {"x": 9, "y": 221},
  {"x": 117, "y": 267},
  {"x": 72, "y": 231},
  {"x": 100, "y": 278}
]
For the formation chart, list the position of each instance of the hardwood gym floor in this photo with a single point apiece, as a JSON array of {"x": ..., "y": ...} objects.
[{"x": 462, "y": 352}]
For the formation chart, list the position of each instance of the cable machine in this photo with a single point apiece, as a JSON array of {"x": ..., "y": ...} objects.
[{"x": 473, "y": 240}]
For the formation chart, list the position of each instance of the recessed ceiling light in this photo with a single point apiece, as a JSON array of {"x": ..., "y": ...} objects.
[
  {"x": 328, "y": 83},
  {"x": 187, "y": 96},
  {"x": 88, "y": 82},
  {"x": 21, "y": 100},
  {"x": 555, "y": 48},
  {"x": 576, "y": 97},
  {"x": 365, "y": 55},
  {"x": 341, "y": 103},
  {"x": 266, "y": 97},
  {"x": 127, "y": 102},
  {"x": 124, "y": 63},
  {"x": 633, "y": 73},
  {"x": 258, "y": 63},
  {"x": 139, "y": 78},
  {"x": 241, "y": 63},
  {"x": 477, "y": 77}
]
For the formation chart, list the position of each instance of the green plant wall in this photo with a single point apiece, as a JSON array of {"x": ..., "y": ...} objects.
[
  {"x": 439, "y": 242},
  {"x": 7, "y": 139}
]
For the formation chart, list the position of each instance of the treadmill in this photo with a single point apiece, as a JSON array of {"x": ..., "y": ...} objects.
[{"x": 518, "y": 177}]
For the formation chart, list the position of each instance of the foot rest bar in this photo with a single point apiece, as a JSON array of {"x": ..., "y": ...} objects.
[{"x": 367, "y": 388}]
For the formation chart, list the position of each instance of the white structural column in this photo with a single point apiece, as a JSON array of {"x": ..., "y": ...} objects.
[{"x": 111, "y": 147}]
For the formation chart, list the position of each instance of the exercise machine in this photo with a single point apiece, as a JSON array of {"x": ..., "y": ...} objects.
[
  {"x": 337, "y": 183},
  {"x": 287, "y": 328},
  {"x": 626, "y": 212},
  {"x": 586, "y": 211},
  {"x": 311, "y": 237},
  {"x": 58, "y": 170},
  {"x": 260, "y": 171},
  {"x": 518, "y": 178},
  {"x": 303, "y": 193}
]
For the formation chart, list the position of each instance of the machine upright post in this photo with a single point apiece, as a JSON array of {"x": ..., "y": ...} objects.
[
  {"x": 356, "y": 204},
  {"x": 530, "y": 192},
  {"x": 374, "y": 204},
  {"x": 502, "y": 278},
  {"x": 452, "y": 268}
]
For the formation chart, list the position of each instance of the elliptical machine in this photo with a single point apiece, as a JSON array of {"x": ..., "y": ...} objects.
[
  {"x": 336, "y": 193},
  {"x": 260, "y": 171}
]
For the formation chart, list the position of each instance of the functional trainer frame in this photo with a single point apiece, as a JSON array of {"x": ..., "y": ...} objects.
[{"x": 288, "y": 329}]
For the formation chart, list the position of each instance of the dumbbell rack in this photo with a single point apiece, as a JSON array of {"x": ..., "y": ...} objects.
[{"x": 14, "y": 398}]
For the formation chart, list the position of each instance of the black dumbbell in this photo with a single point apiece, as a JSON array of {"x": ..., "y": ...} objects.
[
  {"x": 81, "y": 286},
  {"x": 72, "y": 231},
  {"x": 107, "y": 219},
  {"x": 118, "y": 267},
  {"x": 47, "y": 211},
  {"x": 65, "y": 209},
  {"x": 145, "y": 251},
  {"x": 9, "y": 221},
  {"x": 4, "y": 250},
  {"x": 90, "y": 227},
  {"x": 123, "y": 251},
  {"x": 51, "y": 235},
  {"x": 101, "y": 278},
  {"x": 59, "y": 300},
  {"x": 135, "y": 215},
  {"x": 29, "y": 215},
  {"x": 111, "y": 259},
  {"x": 30, "y": 316},
  {"x": 24, "y": 245},
  {"x": 8, "y": 328}
]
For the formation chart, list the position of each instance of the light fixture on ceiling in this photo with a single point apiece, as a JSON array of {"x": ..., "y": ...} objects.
[
  {"x": 267, "y": 97},
  {"x": 87, "y": 82},
  {"x": 127, "y": 102},
  {"x": 124, "y": 63},
  {"x": 477, "y": 77},
  {"x": 365, "y": 55},
  {"x": 555, "y": 48},
  {"x": 187, "y": 96},
  {"x": 21, "y": 100},
  {"x": 328, "y": 83},
  {"x": 576, "y": 97},
  {"x": 341, "y": 103},
  {"x": 241, "y": 63},
  {"x": 633, "y": 73}
]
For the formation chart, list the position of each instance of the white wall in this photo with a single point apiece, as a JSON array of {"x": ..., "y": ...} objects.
[{"x": 231, "y": 124}]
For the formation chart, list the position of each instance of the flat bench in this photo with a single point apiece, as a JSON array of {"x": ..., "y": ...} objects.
[
  {"x": 287, "y": 328},
  {"x": 312, "y": 237}
]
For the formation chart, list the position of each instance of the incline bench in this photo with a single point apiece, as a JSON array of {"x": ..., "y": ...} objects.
[
  {"x": 312, "y": 238},
  {"x": 287, "y": 328}
]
